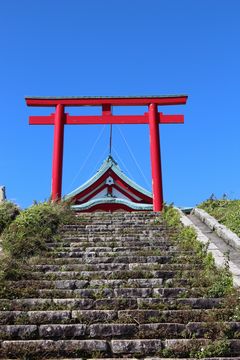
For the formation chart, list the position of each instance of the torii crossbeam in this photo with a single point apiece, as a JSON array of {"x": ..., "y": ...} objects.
[{"x": 152, "y": 117}]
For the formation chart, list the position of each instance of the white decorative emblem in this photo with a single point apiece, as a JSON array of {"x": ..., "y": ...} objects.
[{"x": 109, "y": 181}]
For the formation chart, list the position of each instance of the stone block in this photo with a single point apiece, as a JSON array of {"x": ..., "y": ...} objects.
[
  {"x": 62, "y": 331},
  {"x": 18, "y": 332},
  {"x": 112, "y": 330},
  {"x": 133, "y": 292},
  {"x": 161, "y": 330},
  {"x": 94, "y": 316},
  {"x": 75, "y": 303},
  {"x": 41, "y": 317},
  {"x": 141, "y": 347}
]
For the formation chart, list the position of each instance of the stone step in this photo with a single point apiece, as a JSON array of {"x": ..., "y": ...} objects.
[
  {"x": 115, "y": 293},
  {"x": 180, "y": 303},
  {"x": 108, "y": 274},
  {"x": 140, "y": 347},
  {"x": 49, "y": 271},
  {"x": 107, "y": 245},
  {"x": 134, "y": 230},
  {"x": 145, "y": 358},
  {"x": 80, "y": 284},
  {"x": 34, "y": 317},
  {"x": 45, "y": 349},
  {"x": 176, "y": 347},
  {"x": 145, "y": 316},
  {"x": 18, "y": 311},
  {"x": 100, "y": 251},
  {"x": 108, "y": 220},
  {"x": 110, "y": 257},
  {"x": 36, "y": 304},
  {"x": 106, "y": 260},
  {"x": 166, "y": 273},
  {"x": 68, "y": 331},
  {"x": 126, "y": 228},
  {"x": 109, "y": 239}
]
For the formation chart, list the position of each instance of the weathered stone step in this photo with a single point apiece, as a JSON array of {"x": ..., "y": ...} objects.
[
  {"x": 158, "y": 358},
  {"x": 170, "y": 276},
  {"x": 107, "y": 260},
  {"x": 111, "y": 251},
  {"x": 174, "y": 316},
  {"x": 100, "y": 315},
  {"x": 132, "y": 230},
  {"x": 108, "y": 274},
  {"x": 49, "y": 331},
  {"x": 141, "y": 347},
  {"x": 118, "y": 234},
  {"x": 44, "y": 349},
  {"x": 145, "y": 316},
  {"x": 112, "y": 241},
  {"x": 116, "y": 293},
  {"x": 50, "y": 271},
  {"x": 177, "y": 347},
  {"x": 80, "y": 284},
  {"x": 34, "y": 317},
  {"x": 116, "y": 238},
  {"x": 134, "y": 222},
  {"x": 71, "y": 331},
  {"x": 115, "y": 227},
  {"x": 111, "y": 257},
  {"x": 73, "y": 303},
  {"x": 180, "y": 303},
  {"x": 108, "y": 246},
  {"x": 163, "y": 303},
  {"x": 143, "y": 358}
]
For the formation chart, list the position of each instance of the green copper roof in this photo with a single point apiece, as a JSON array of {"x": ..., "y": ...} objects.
[
  {"x": 131, "y": 204},
  {"x": 107, "y": 164}
]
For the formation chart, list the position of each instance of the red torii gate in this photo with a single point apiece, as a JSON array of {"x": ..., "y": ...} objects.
[{"x": 152, "y": 117}]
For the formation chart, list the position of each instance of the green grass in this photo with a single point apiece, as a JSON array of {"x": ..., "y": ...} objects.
[
  {"x": 227, "y": 212},
  {"x": 8, "y": 213},
  {"x": 28, "y": 234}
]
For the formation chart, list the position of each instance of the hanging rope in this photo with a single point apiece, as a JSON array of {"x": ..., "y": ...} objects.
[
  {"x": 133, "y": 157},
  {"x": 87, "y": 158},
  {"x": 110, "y": 141}
]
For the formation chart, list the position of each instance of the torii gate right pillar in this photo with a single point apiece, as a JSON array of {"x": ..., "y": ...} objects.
[{"x": 157, "y": 187}]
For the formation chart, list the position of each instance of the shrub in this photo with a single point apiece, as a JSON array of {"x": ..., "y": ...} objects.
[
  {"x": 11, "y": 269},
  {"x": 171, "y": 216},
  {"x": 8, "y": 212},
  {"x": 28, "y": 234}
]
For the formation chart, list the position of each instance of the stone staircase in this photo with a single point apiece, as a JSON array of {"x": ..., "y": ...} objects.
[{"x": 115, "y": 286}]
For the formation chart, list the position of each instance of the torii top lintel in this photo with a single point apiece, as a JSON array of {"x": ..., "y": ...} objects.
[
  {"x": 106, "y": 102},
  {"x": 110, "y": 100}
]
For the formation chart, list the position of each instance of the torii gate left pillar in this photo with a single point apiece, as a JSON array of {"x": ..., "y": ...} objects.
[
  {"x": 57, "y": 165},
  {"x": 152, "y": 117}
]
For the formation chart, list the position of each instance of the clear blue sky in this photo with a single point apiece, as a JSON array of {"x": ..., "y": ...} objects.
[{"x": 122, "y": 47}]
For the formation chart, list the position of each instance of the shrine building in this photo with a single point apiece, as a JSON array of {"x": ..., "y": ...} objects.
[{"x": 110, "y": 190}]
